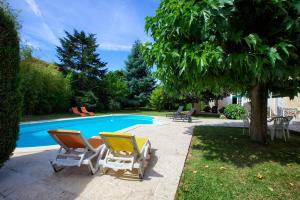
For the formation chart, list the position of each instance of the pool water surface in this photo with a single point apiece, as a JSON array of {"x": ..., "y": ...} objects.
[{"x": 35, "y": 134}]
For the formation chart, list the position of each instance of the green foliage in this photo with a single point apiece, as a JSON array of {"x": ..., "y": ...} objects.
[
  {"x": 80, "y": 62},
  {"x": 157, "y": 99},
  {"x": 87, "y": 99},
  {"x": 78, "y": 54},
  {"x": 117, "y": 89},
  {"x": 138, "y": 76},
  {"x": 43, "y": 88},
  {"x": 188, "y": 106},
  {"x": 234, "y": 111},
  {"x": 215, "y": 44},
  {"x": 9, "y": 94}
]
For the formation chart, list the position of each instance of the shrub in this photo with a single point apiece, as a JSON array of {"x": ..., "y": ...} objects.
[
  {"x": 157, "y": 99},
  {"x": 9, "y": 95},
  {"x": 43, "y": 88},
  {"x": 188, "y": 106},
  {"x": 221, "y": 110},
  {"x": 214, "y": 109},
  {"x": 207, "y": 109},
  {"x": 234, "y": 111}
]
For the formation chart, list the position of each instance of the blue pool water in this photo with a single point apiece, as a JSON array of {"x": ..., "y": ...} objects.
[{"x": 35, "y": 134}]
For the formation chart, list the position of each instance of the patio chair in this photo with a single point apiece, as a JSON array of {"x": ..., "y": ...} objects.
[
  {"x": 75, "y": 150},
  {"x": 287, "y": 125},
  {"x": 187, "y": 116},
  {"x": 84, "y": 110},
  {"x": 179, "y": 110},
  {"x": 76, "y": 111},
  {"x": 277, "y": 129},
  {"x": 246, "y": 121},
  {"x": 125, "y": 152}
]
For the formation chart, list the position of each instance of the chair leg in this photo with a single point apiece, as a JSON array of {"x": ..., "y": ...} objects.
[
  {"x": 283, "y": 132},
  {"x": 272, "y": 134},
  {"x": 55, "y": 168}
]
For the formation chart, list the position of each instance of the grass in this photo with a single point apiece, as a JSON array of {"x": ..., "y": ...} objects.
[
  {"x": 28, "y": 118},
  {"x": 223, "y": 164}
]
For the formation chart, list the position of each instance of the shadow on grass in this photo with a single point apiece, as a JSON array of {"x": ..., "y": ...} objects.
[{"x": 232, "y": 146}]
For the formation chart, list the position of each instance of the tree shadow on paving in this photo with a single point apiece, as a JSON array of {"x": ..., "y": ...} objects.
[{"x": 232, "y": 146}]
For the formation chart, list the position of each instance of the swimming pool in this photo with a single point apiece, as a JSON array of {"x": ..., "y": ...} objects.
[{"x": 35, "y": 134}]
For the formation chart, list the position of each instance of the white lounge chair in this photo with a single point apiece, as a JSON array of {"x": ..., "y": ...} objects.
[
  {"x": 125, "y": 152},
  {"x": 75, "y": 150}
]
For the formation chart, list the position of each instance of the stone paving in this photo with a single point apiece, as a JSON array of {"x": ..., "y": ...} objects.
[{"x": 28, "y": 174}]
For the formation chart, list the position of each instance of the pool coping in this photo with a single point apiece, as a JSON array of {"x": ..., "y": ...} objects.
[{"x": 157, "y": 120}]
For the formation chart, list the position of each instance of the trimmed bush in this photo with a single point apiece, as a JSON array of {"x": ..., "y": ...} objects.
[
  {"x": 234, "y": 111},
  {"x": 9, "y": 95},
  {"x": 221, "y": 110},
  {"x": 157, "y": 99},
  {"x": 43, "y": 88},
  {"x": 207, "y": 109},
  {"x": 214, "y": 109}
]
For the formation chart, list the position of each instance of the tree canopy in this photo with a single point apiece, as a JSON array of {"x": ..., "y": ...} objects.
[
  {"x": 245, "y": 45},
  {"x": 138, "y": 76},
  {"x": 82, "y": 65}
]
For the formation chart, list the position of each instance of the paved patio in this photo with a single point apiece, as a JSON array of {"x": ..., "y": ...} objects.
[{"x": 28, "y": 174}]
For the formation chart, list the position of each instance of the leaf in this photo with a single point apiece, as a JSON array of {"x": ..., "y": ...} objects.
[
  {"x": 259, "y": 176},
  {"x": 273, "y": 55},
  {"x": 252, "y": 40},
  {"x": 271, "y": 189},
  {"x": 222, "y": 168}
]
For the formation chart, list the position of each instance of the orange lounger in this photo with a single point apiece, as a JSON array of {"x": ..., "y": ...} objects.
[
  {"x": 84, "y": 110},
  {"x": 75, "y": 150},
  {"x": 76, "y": 111}
]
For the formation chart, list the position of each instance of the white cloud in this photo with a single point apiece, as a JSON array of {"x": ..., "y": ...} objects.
[
  {"x": 49, "y": 35},
  {"x": 114, "y": 47},
  {"x": 34, "y": 7}
]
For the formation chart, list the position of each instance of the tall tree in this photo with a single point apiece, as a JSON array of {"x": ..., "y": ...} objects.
[
  {"x": 80, "y": 61},
  {"x": 9, "y": 94},
  {"x": 138, "y": 75},
  {"x": 245, "y": 45}
]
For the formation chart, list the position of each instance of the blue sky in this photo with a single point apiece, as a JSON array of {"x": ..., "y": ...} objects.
[{"x": 116, "y": 23}]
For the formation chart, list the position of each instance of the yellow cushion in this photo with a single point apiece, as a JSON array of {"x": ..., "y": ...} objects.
[{"x": 123, "y": 141}]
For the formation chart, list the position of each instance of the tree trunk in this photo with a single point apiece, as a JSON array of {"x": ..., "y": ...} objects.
[
  {"x": 196, "y": 106},
  {"x": 258, "y": 125}
]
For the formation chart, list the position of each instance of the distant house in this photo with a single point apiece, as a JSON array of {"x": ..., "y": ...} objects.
[{"x": 276, "y": 105}]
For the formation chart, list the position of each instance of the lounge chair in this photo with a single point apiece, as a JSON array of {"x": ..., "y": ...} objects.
[
  {"x": 84, "y": 110},
  {"x": 75, "y": 150},
  {"x": 178, "y": 112},
  {"x": 76, "y": 111},
  {"x": 125, "y": 152},
  {"x": 187, "y": 116}
]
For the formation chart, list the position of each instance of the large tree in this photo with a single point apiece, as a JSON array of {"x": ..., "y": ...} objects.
[
  {"x": 246, "y": 45},
  {"x": 9, "y": 94},
  {"x": 80, "y": 61},
  {"x": 138, "y": 76}
]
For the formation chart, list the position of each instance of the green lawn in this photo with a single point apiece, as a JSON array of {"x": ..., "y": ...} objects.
[
  {"x": 223, "y": 164},
  {"x": 70, "y": 115},
  {"x": 28, "y": 118}
]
